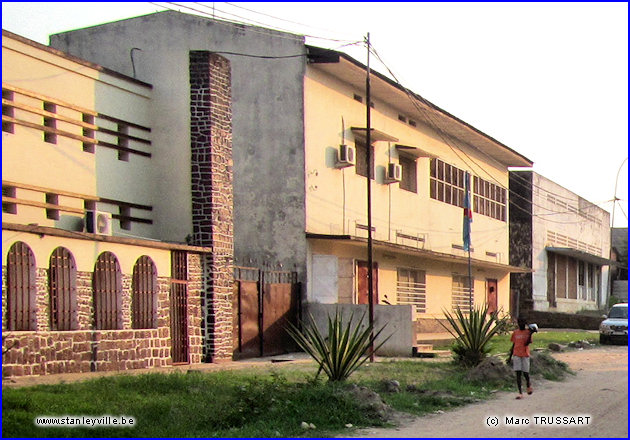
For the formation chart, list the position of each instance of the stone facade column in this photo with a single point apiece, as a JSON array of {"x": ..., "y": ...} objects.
[{"x": 212, "y": 194}]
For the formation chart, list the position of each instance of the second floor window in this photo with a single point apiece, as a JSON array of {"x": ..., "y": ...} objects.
[
  {"x": 361, "y": 166},
  {"x": 409, "y": 180}
]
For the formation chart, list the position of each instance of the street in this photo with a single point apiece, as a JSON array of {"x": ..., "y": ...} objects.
[{"x": 593, "y": 403}]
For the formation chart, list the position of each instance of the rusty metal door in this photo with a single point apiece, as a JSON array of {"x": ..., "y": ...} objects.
[
  {"x": 279, "y": 307},
  {"x": 263, "y": 303},
  {"x": 179, "y": 307},
  {"x": 246, "y": 319}
]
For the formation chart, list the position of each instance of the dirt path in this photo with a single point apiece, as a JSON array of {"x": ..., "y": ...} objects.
[{"x": 598, "y": 391}]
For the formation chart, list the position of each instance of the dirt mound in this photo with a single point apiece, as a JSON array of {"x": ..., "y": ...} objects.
[
  {"x": 491, "y": 369},
  {"x": 494, "y": 369},
  {"x": 371, "y": 402}
]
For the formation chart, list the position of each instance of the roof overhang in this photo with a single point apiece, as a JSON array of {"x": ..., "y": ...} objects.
[
  {"x": 375, "y": 135},
  {"x": 421, "y": 253},
  {"x": 414, "y": 152},
  {"x": 581, "y": 255},
  {"x": 352, "y": 72}
]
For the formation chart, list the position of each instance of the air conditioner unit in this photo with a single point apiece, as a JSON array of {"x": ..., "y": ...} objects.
[
  {"x": 394, "y": 173},
  {"x": 346, "y": 157},
  {"x": 98, "y": 222}
]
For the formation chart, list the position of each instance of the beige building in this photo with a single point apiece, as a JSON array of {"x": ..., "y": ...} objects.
[
  {"x": 565, "y": 239},
  {"x": 420, "y": 156},
  {"x": 87, "y": 283}
]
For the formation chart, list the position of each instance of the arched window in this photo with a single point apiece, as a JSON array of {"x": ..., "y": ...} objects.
[
  {"x": 107, "y": 288},
  {"x": 62, "y": 285},
  {"x": 144, "y": 294},
  {"x": 21, "y": 288}
]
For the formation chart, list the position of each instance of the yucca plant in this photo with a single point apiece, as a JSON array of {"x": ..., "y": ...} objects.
[
  {"x": 345, "y": 349},
  {"x": 473, "y": 332}
]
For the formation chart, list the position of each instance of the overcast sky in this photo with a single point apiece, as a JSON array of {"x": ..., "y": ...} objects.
[{"x": 549, "y": 80}]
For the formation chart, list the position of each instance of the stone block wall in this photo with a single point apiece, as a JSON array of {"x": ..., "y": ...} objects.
[
  {"x": 84, "y": 350},
  {"x": 212, "y": 194}
]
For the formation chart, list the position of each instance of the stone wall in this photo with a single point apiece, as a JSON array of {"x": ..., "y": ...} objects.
[
  {"x": 212, "y": 194},
  {"x": 563, "y": 320},
  {"x": 83, "y": 350}
]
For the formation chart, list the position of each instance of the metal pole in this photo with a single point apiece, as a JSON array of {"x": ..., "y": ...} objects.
[
  {"x": 470, "y": 282},
  {"x": 612, "y": 225},
  {"x": 368, "y": 141}
]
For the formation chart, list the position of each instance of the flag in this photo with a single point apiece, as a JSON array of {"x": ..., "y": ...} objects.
[{"x": 467, "y": 212}]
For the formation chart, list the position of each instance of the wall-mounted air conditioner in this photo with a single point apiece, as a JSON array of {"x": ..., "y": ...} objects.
[
  {"x": 98, "y": 222},
  {"x": 394, "y": 173},
  {"x": 346, "y": 156}
]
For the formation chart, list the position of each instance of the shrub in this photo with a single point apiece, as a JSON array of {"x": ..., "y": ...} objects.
[
  {"x": 473, "y": 332},
  {"x": 344, "y": 350}
]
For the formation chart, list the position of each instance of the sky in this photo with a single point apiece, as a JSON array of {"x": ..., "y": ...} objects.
[{"x": 549, "y": 80}]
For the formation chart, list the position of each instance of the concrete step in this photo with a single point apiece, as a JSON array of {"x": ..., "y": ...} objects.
[
  {"x": 422, "y": 352},
  {"x": 439, "y": 339}
]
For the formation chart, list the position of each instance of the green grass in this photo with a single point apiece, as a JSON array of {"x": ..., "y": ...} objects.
[
  {"x": 250, "y": 403},
  {"x": 501, "y": 343}
]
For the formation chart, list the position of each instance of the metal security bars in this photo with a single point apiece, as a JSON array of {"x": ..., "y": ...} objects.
[
  {"x": 21, "y": 307},
  {"x": 144, "y": 294},
  {"x": 62, "y": 285},
  {"x": 107, "y": 285}
]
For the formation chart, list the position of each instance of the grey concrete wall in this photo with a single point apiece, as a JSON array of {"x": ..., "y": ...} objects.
[
  {"x": 268, "y": 124},
  {"x": 397, "y": 319}
]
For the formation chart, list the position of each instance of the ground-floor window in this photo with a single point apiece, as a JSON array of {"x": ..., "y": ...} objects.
[
  {"x": 411, "y": 288},
  {"x": 463, "y": 298}
]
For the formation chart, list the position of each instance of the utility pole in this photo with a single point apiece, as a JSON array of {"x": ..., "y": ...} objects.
[
  {"x": 612, "y": 225},
  {"x": 368, "y": 135}
]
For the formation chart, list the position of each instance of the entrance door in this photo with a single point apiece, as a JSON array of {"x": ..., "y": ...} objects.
[
  {"x": 362, "y": 284},
  {"x": 491, "y": 295}
]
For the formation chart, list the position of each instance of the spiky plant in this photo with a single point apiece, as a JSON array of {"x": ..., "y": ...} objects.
[
  {"x": 472, "y": 333},
  {"x": 345, "y": 349}
]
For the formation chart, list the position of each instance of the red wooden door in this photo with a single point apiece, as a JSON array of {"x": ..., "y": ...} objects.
[
  {"x": 362, "y": 283},
  {"x": 491, "y": 295}
]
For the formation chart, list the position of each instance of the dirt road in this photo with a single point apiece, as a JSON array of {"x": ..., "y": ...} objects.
[{"x": 598, "y": 391}]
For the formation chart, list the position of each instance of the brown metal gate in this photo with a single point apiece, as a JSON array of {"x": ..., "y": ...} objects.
[
  {"x": 263, "y": 303},
  {"x": 179, "y": 307}
]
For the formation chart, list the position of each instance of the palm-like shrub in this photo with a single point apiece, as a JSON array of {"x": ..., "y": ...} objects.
[
  {"x": 473, "y": 332},
  {"x": 345, "y": 349}
]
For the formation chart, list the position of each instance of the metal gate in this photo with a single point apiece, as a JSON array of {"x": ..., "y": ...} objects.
[
  {"x": 263, "y": 303},
  {"x": 179, "y": 307}
]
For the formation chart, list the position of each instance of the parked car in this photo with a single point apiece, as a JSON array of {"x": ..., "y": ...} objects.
[{"x": 615, "y": 326}]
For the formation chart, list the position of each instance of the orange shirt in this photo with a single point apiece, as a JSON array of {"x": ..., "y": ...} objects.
[{"x": 520, "y": 337}]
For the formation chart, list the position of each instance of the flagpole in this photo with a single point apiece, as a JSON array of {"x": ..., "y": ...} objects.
[
  {"x": 466, "y": 235},
  {"x": 470, "y": 282}
]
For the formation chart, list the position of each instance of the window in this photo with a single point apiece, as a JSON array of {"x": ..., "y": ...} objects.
[
  {"x": 361, "y": 163},
  {"x": 144, "y": 294},
  {"x": 446, "y": 183},
  {"x": 123, "y": 141},
  {"x": 62, "y": 288},
  {"x": 409, "y": 180},
  {"x": 88, "y": 147},
  {"x": 7, "y": 110},
  {"x": 52, "y": 213},
  {"x": 489, "y": 199},
  {"x": 21, "y": 288},
  {"x": 107, "y": 288},
  {"x": 50, "y": 122},
  {"x": 411, "y": 288},
  {"x": 461, "y": 294},
  {"x": 9, "y": 207}
]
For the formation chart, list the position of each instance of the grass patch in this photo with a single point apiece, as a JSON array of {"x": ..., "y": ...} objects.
[
  {"x": 501, "y": 343},
  {"x": 269, "y": 402}
]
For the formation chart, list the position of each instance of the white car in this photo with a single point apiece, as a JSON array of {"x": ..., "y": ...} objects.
[{"x": 615, "y": 326}]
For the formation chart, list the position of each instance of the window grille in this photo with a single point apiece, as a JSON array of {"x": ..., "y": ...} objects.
[
  {"x": 411, "y": 288},
  {"x": 461, "y": 293},
  {"x": 144, "y": 294},
  {"x": 107, "y": 286},
  {"x": 21, "y": 287},
  {"x": 62, "y": 285}
]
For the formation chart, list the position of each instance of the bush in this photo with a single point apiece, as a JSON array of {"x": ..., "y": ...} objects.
[
  {"x": 473, "y": 332},
  {"x": 344, "y": 350}
]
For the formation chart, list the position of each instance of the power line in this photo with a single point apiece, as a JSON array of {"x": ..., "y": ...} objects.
[{"x": 443, "y": 134}]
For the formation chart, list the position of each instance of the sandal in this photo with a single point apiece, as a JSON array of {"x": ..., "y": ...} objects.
[
  {"x": 520, "y": 396},
  {"x": 530, "y": 390}
]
